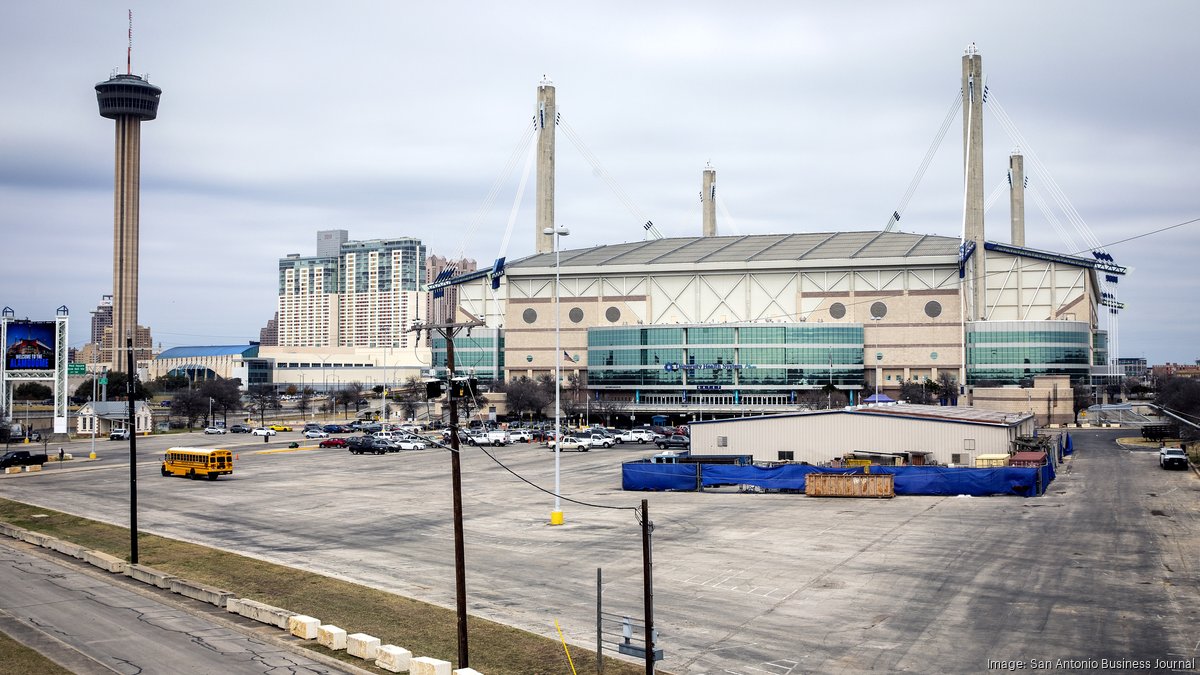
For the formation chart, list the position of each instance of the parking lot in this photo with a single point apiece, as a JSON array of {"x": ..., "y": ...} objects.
[{"x": 1105, "y": 566}]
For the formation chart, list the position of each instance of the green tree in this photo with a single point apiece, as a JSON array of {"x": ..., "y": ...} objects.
[
  {"x": 263, "y": 399},
  {"x": 116, "y": 388},
  {"x": 32, "y": 391},
  {"x": 170, "y": 383},
  {"x": 226, "y": 395},
  {"x": 189, "y": 404},
  {"x": 1082, "y": 398},
  {"x": 527, "y": 396},
  {"x": 1180, "y": 395}
]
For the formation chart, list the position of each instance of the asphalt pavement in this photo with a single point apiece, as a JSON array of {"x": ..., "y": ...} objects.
[{"x": 1101, "y": 571}]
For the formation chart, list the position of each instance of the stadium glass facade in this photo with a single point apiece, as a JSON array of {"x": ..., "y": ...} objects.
[
  {"x": 1007, "y": 352},
  {"x": 480, "y": 354},
  {"x": 727, "y": 363}
]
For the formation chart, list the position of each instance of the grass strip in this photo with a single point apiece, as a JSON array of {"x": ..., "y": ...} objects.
[
  {"x": 17, "y": 659},
  {"x": 422, "y": 628}
]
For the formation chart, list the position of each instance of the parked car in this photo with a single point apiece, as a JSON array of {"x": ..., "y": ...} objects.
[
  {"x": 262, "y": 431},
  {"x": 239, "y": 429},
  {"x": 642, "y": 436},
  {"x": 333, "y": 428},
  {"x": 279, "y": 427},
  {"x": 213, "y": 430},
  {"x": 119, "y": 435},
  {"x": 678, "y": 441},
  {"x": 409, "y": 444},
  {"x": 520, "y": 435},
  {"x": 360, "y": 444},
  {"x": 332, "y": 443},
  {"x": 1172, "y": 458},
  {"x": 315, "y": 433},
  {"x": 571, "y": 443},
  {"x": 600, "y": 441}
]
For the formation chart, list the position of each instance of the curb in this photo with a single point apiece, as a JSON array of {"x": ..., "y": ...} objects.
[{"x": 263, "y": 614}]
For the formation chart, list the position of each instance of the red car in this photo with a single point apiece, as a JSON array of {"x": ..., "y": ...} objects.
[{"x": 332, "y": 443}]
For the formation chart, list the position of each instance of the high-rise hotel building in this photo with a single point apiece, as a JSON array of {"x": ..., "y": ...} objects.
[{"x": 361, "y": 294}]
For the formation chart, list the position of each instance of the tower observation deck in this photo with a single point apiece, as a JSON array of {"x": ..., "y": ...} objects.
[
  {"x": 129, "y": 100},
  {"x": 128, "y": 96}
]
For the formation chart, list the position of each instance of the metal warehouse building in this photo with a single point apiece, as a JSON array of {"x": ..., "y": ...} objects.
[{"x": 951, "y": 435}]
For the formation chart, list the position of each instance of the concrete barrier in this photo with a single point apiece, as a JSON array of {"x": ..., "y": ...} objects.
[
  {"x": 11, "y": 530},
  {"x": 35, "y": 538},
  {"x": 105, "y": 561},
  {"x": 393, "y": 659},
  {"x": 427, "y": 665},
  {"x": 303, "y": 627},
  {"x": 149, "y": 575},
  {"x": 65, "y": 547},
  {"x": 267, "y": 614},
  {"x": 33, "y": 467},
  {"x": 362, "y": 645},
  {"x": 195, "y": 591},
  {"x": 12, "y": 469},
  {"x": 330, "y": 636}
]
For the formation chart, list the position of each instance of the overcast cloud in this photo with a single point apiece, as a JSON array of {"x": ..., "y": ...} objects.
[{"x": 391, "y": 119}]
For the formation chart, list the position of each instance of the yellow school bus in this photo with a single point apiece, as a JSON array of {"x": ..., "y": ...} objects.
[{"x": 197, "y": 462}]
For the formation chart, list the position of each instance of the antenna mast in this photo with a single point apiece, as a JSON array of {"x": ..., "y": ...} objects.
[{"x": 129, "y": 49}]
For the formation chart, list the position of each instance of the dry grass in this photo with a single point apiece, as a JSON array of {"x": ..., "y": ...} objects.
[
  {"x": 424, "y": 629},
  {"x": 17, "y": 659}
]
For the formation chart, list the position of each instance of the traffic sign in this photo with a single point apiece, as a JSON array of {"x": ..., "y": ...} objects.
[
  {"x": 76, "y": 368},
  {"x": 103, "y": 380}
]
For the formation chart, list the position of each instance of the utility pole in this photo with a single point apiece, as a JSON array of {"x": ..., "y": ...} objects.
[
  {"x": 130, "y": 390},
  {"x": 448, "y": 331}
]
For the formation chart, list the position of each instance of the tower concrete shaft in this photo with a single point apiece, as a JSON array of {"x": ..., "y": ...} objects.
[
  {"x": 1016, "y": 197},
  {"x": 708, "y": 198},
  {"x": 546, "y": 120},
  {"x": 128, "y": 100},
  {"x": 972, "y": 92},
  {"x": 125, "y": 235}
]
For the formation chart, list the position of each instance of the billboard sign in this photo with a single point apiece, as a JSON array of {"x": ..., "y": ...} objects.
[{"x": 30, "y": 345}]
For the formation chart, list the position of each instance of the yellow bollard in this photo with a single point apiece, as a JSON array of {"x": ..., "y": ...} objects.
[{"x": 92, "y": 455}]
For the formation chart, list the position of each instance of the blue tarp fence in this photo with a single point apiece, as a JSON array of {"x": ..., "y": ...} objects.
[{"x": 909, "y": 480}]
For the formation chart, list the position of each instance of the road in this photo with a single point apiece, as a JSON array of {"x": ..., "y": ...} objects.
[
  {"x": 1102, "y": 567},
  {"x": 93, "y": 622}
]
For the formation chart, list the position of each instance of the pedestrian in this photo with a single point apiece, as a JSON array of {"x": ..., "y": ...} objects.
[{"x": 61, "y": 454}]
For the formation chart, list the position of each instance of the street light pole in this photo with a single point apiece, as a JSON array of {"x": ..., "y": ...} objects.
[
  {"x": 877, "y": 319},
  {"x": 556, "y": 516}
]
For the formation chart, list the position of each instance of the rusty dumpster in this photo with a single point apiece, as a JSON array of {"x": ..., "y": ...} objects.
[{"x": 879, "y": 486}]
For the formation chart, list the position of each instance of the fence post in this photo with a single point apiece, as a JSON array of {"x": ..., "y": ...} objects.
[{"x": 599, "y": 611}]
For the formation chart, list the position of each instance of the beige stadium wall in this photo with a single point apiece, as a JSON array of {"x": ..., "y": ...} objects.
[{"x": 820, "y": 437}]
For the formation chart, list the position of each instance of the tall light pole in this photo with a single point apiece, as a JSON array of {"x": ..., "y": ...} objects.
[
  {"x": 877, "y": 319},
  {"x": 556, "y": 516}
]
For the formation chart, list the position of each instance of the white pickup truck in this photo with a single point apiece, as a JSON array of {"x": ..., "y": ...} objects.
[
  {"x": 489, "y": 438},
  {"x": 642, "y": 436}
]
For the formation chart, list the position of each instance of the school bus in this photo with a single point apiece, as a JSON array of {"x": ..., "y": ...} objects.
[{"x": 197, "y": 462}]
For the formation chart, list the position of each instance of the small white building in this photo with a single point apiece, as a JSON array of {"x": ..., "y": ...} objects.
[
  {"x": 952, "y": 435},
  {"x": 105, "y": 416}
]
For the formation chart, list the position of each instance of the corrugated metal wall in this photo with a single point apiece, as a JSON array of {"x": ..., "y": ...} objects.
[{"x": 820, "y": 437}]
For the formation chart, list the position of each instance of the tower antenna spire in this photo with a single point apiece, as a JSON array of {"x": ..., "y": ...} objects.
[{"x": 129, "y": 49}]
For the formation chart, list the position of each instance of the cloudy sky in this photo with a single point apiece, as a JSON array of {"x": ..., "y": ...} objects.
[{"x": 392, "y": 119}]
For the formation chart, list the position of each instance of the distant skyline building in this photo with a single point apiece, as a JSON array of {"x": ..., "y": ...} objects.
[
  {"x": 129, "y": 100},
  {"x": 433, "y": 267},
  {"x": 367, "y": 295},
  {"x": 102, "y": 317},
  {"x": 329, "y": 242},
  {"x": 268, "y": 336}
]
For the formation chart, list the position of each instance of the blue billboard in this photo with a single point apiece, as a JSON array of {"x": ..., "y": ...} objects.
[{"x": 29, "y": 345}]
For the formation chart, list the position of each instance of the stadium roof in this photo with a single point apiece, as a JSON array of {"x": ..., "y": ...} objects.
[
  {"x": 766, "y": 248},
  {"x": 246, "y": 351}
]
